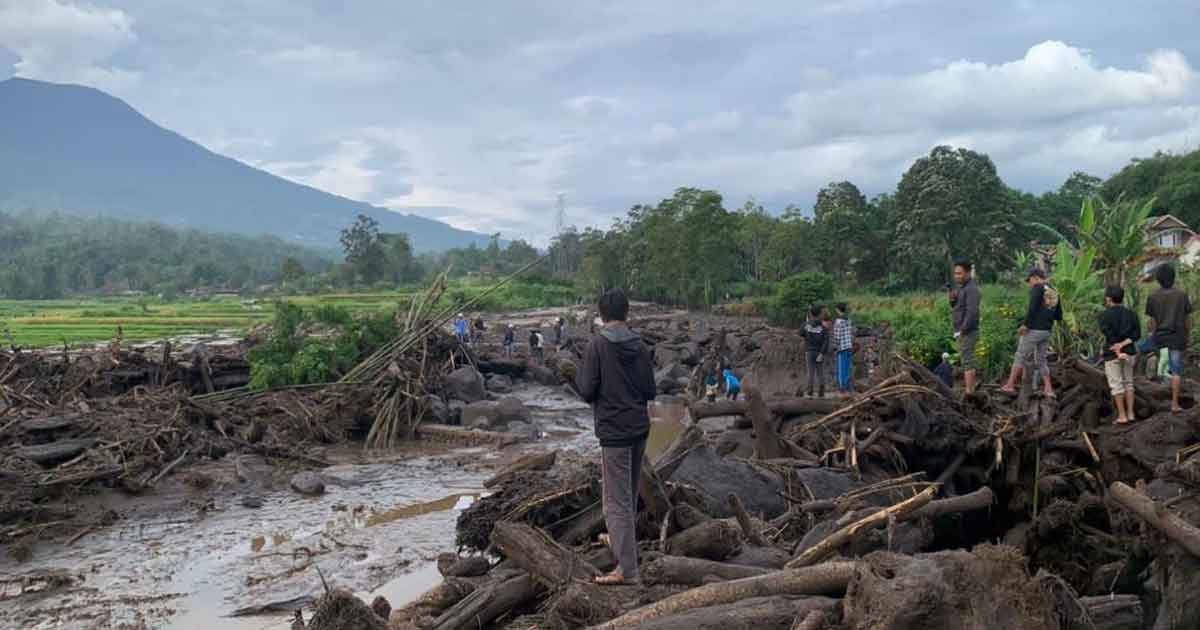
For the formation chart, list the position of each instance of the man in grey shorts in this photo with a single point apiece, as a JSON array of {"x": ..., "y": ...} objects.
[
  {"x": 1035, "y": 330},
  {"x": 617, "y": 378},
  {"x": 965, "y": 301}
]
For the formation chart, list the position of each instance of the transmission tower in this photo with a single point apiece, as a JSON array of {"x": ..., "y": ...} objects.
[{"x": 560, "y": 222}]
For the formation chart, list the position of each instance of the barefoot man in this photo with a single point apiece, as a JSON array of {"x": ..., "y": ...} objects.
[{"x": 617, "y": 379}]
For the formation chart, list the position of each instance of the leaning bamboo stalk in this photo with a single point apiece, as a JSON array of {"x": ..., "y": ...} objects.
[{"x": 834, "y": 541}]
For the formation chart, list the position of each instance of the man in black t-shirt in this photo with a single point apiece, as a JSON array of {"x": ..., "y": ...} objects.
[{"x": 1170, "y": 325}]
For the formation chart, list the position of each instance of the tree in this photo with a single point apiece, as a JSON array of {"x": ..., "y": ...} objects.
[
  {"x": 753, "y": 235},
  {"x": 1117, "y": 234},
  {"x": 1173, "y": 179},
  {"x": 952, "y": 204},
  {"x": 363, "y": 250},
  {"x": 292, "y": 270},
  {"x": 840, "y": 216},
  {"x": 402, "y": 266}
]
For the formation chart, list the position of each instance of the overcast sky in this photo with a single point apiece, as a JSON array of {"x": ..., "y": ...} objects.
[{"x": 480, "y": 113}]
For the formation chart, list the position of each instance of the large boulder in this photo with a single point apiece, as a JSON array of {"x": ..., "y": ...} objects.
[
  {"x": 308, "y": 483},
  {"x": 499, "y": 384},
  {"x": 465, "y": 384},
  {"x": 483, "y": 414},
  {"x": 510, "y": 409},
  {"x": 665, "y": 357},
  {"x": 543, "y": 375},
  {"x": 690, "y": 354},
  {"x": 671, "y": 380},
  {"x": 437, "y": 411},
  {"x": 455, "y": 408}
]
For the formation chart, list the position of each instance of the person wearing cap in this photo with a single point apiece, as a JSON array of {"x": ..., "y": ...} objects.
[
  {"x": 944, "y": 371},
  {"x": 1044, "y": 309}
]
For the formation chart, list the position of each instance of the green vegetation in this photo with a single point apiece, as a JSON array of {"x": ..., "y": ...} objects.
[
  {"x": 291, "y": 356},
  {"x": 797, "y": 294}
]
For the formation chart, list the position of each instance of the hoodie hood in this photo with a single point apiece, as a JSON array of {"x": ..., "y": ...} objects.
[{"x": 627, "y": 342}]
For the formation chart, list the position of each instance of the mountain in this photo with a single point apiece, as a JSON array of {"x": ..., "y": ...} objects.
[{"x": 76, "y": 150}]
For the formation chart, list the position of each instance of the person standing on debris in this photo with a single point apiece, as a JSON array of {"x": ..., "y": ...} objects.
[
  {"x": 617, "y": 378},
  {"x": 965, "y": 301},
  {"x": 560, "y": 332},
  {"x": 1044, "y": 309},
  {"x": 816, "y": 341},
  {"x": 535, "y": 345},
  {"x": 1170, "y": 313},
  {"x": 944, "y": 371},
  {"x": 510, "y": 340},
  {"x": 712, "y": 387},
  {"x": 733, "y": 386},
  {"x": 843, "y": 340},
  {"x": 1121, "y": 332},
  {"x": 462, "y": 329}
]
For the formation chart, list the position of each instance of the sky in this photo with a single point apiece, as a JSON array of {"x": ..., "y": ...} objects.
[{"x": 482, "y": 113}]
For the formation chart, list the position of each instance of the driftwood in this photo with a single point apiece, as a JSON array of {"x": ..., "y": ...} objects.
[
  {"x": 711, "y": 540},
  {"x": 55, "y": 452},
  {"x": 767, "y": 442},
  {"x": 786, "y": 408},
  {"x": 981, "y": 499},
  {"x": 536, "y": 553},
  {"x": 466, "y": 437},
  {"x": 694, "y": 571},
  {"x": 814, "y": 620},
  {"x": 539, "y": 461},
  {"x": 1115, "y": 612},
  {"x": 834, "y": 541},
  {"x": 830, "y": 578},
  {"x": 749, "y": 531},
  {"x": 1167, "y": 523},
  {"x": 487, "y": 603},
  {"x": 756, "y": 613}
]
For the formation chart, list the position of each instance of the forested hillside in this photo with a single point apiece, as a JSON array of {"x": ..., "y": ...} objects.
[{"x": 54, "y": 256}]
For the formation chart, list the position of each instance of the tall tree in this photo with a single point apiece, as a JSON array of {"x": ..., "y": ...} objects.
[
  {"x": 363, "y": 251},
  {"x": 952, "y": 204},
  {"x": 753, "y": 234},
  {"x": 840, "y": 216}
]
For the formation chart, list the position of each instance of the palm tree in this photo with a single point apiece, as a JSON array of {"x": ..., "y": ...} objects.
[{"x": 1118, "y": 234}]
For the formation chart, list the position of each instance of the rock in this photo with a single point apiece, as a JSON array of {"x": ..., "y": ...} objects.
[
  {"x": 381, "y": 607},
  {"x": 543, "y": 375},
  {"x": 253, "y": 469},
  {"x": 665, "y": 357},
  {"x": 484, "y": 414},
  {"x": 341, "y": 610},
  {"x": 668, "y": 380},
  {"x": 455, "y": 408},
  {"x": 690, "y": 354},
  {"x": 465, "y": 384},
  {"x": 524, "y": 429},
  {"x": 438, "y": 412},
  {"x": 513, "y": 410},
  {"x": 499, "y": 384},
  {"x": 453, "y": 565},
  {"x": 252, "y": 502},
  {"x": 308, "y": 483}
]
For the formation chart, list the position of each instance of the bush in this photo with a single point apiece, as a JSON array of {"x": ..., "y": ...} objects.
[{"x": 796, "y": 294}]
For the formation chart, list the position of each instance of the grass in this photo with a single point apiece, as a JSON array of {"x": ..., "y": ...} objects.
[{"x": 43, "y": 323}]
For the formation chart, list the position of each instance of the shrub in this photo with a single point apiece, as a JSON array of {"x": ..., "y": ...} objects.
[{"x": 796, "y": 294}]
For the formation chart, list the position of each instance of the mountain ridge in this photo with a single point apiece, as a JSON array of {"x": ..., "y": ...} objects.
[{"x": 77, "y": 150}]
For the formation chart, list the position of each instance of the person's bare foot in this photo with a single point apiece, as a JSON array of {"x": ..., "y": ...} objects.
[
  {"x": 1005, "y": 389},
  {"x": 1122, "y": 420},
  {"x": 1177, "y": 410},
  {"x": 613, "y": 579}
]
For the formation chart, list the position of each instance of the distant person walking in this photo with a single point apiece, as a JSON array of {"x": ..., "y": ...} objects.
[
  {"x": 843, "y": 340},
  {"x": 536, "y": 341},
  {"x": 816, "y": 342},
  {"x": 1121, "y": 332},
  {"x": 462, "y": 329},
  {"x": 965, "y": 300},
  {"x": 617, "y": 378},
  {"x": 1043, "y": 310},
  {"x": 1170, "y": 313},
  {"x": 733, "y": 386},
  {"x": 944, "y": 371},
  {"x": 560, "y": 332},
  {"x": 510, "y": 340}
]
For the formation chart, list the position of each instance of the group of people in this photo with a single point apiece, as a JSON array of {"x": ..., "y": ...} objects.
[
  {"x": 537, "y": 340},
  {"x": 1168, "y": 311},
  {"x": 824, "y": 334}
]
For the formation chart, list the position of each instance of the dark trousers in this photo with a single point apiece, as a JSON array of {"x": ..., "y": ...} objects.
[{"x": 621, "y": 469}]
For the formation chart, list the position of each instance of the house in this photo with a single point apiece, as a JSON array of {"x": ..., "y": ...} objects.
[
  {"x": 1170, "y": 240},
  {"x": 1042, "y": 256}
]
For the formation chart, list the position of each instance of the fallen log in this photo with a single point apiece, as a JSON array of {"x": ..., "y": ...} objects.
[
  {"x": 830, "y": 578},
  {"x": 694, "y": 571},
  {"x": 787, "y": 407},
  {"x": 1157, "y": 516},
  {"x": 814, "y": 620},
  {"x": 767, "y": 442},
  {"x": 55, "y": 452},
  {"x": 756, "y": 613},
  {"x": 539, "y": 461},
  {"x": 834, "y": 541},
  {"x": 541, "y": 556},
  {"x": 981, "y": 499},
  {"x": 712, "y": 540},
  {"x": 1115, "y": 612},
  {"x": 487, "y": 603}
]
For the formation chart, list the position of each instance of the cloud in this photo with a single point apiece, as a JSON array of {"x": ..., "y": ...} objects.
[
  {"x": 592, "y": 105},
  {"x": 340, "y": 172},
  {"x": 66, "y": 42}
]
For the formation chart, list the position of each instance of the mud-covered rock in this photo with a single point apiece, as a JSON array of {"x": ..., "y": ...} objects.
[
  {"x": 543, "y": 375},
  {"x": 437, "y": 411},
  {"x": 465, "y": 384},
  {"x": 499, "y": 384},
  {"x": 308, "y": 483},
  {"x": 484, "y": 414},
  {"x": 341, "y": 610},
  {"x": 511, "y": 409},
  {"x": 455, "y": 407}
]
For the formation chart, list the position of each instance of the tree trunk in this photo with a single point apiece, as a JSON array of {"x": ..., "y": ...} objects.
[
  {"x": 757, "y": 613},
  {"x": 1158, "y": 517},
  {"x": 541, "y": 461},
  {"x": 787, "y": 407},
  {"x": 533, "y": 551},
  {"x": 694, "y": 571},
  {"x": 487, "y": 603},
  {"x": 1115, "y": 612},
  {"x": 830, "y": 578},
  {"x": 834, "y": 541},
  {"x": 767, "y": 443},
  {"x": 712, "y": 540}
]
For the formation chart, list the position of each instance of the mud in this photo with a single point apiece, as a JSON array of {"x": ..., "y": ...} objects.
[{"x": 184, "y": 558}]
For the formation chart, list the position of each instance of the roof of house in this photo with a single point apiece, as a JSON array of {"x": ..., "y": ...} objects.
[{"x": 1166, "y": 222}]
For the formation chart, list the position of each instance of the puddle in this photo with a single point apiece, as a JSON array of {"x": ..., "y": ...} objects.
[{"x": 667, "y": 421}]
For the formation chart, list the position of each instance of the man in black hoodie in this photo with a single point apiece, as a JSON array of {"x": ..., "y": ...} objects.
[{"x": 617, "y": 378}]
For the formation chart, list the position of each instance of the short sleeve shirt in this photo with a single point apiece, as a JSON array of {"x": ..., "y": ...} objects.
[{"x": 1169, "y": 308}]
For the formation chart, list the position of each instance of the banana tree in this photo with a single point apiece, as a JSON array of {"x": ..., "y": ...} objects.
[
  {"x": 1118, "y": 234},
  {"x": 1081, "y": 293}
]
